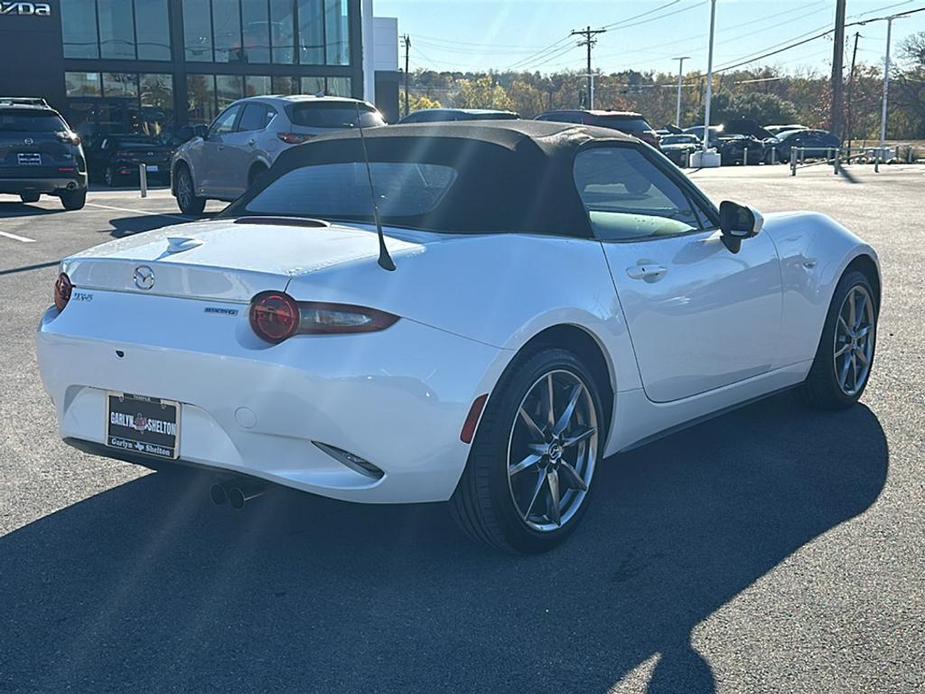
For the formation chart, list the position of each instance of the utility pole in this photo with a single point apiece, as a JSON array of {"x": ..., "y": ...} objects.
[
  {"x": 588, "y": 33},
  {"x": 838, "y": 58},
  {"x": 406, "y": 41},
  {"x": 886, "y": 78},
  {"x": 709, "y": 97},
  {"x": 677, "y": 118},
  {"x": 849, "y": 124}
]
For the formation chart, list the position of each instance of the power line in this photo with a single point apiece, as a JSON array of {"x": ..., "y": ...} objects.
[{"x": 588, "y": 41}]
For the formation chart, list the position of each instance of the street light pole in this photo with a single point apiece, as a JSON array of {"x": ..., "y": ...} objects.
[
  {"x": 709, "y": 97},
  {"x": 677, "y": 118},
  {"x": 886, "y": 82}
]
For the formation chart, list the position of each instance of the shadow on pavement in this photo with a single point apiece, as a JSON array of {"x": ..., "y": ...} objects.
[
  {"x": 8, "y": 208},
  {"x": 148, "y": 586}
]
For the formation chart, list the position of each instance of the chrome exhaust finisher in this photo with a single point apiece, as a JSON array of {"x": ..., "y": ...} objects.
[
  {"x": 239, "y": 493},
  {"x": 218, "y": 493}
]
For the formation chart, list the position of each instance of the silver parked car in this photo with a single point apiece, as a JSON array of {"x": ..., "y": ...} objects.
[{"x": 247, "y": 137}]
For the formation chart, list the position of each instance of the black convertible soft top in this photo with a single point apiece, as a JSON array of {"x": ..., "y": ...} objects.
[{"x": 511, "y": 175}]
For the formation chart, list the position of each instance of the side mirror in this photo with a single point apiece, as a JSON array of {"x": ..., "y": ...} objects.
[{"x": 738, "y": 222}]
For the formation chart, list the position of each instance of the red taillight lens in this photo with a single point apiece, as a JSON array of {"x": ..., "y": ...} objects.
[
  {"x": 293, "y": 138},
  {"x": 276, "y": 316},
  {"x": 63, "y": 289}
]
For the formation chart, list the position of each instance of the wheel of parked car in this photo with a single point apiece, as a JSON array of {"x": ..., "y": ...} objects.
[
  {"x": 187, "y": 200},
  {"x": 255, "y": 173},
  {"x": 845, "y": 354},
  {"x": 74, "y": 199},
  {"x": 531, "y": 466},
  {"x": 29, "y": 197}
]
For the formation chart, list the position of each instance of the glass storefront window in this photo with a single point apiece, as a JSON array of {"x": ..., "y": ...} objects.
[
  {"x": 285, "y": 86},
  {"x": 339, "y": 86},
  {"x": 117, "y": 29},
  {"x": 155, "y": 94},
  {"x": 197, "y": 30},
  {"x": 228, "y": 88},
  {"x": 282, "y": 34},
  {"x": 120, "y": 85},
  {"x": 200, "y": 93},
  {"x": 78, "y": 24},
  {"x": 312, "y": 85},
  {"x": 255, "y": 85},
  {"x": 83, "y": 84},
  {"x": 256, "y": 30},
  {"x": 311, "y": 32},
  {"x": 337, "y": 32},
  {"x": 152, "y": 30},
  {"x": 226, "y": 31}
]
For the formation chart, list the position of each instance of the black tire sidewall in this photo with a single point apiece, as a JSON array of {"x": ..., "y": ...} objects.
[
  {"x": 825, "y": 383},
  {"x": 494, "y": 450}
]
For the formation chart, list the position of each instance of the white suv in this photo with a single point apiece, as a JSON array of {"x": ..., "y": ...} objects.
[{"x": 247, "y": 137}]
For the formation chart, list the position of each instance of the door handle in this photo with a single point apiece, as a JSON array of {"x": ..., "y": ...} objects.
[
  {"x": 252, "y": 142},
  {"x": 649, "y": 273}
]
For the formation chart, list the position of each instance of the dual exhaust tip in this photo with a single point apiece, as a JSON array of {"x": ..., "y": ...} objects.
[{"x": 236, "y": 492}]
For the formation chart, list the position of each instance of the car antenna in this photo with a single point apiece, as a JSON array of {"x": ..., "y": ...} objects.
[{"x": 385, "y": 260}]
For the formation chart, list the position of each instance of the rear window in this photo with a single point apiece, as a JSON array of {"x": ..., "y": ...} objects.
[
  {"x": 31, "y": 121},
  {"x": 626, "y": 124},
  {"x": 341, "y": 191},
  {"x": 333, "y": 115}
]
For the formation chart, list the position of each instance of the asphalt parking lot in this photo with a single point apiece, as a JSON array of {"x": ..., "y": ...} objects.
[{"x": 775, "y": 549}]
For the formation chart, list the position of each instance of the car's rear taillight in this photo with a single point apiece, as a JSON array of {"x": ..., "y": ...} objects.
[
  {"x": 276, "y": 316},
  {"x": 294, "y": 138},
  {"x": 63, "y": 289}
]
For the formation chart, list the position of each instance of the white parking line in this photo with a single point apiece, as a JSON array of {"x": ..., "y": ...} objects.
[
  {"x": 16, "y": 238},
  {"x": 141, "y": 212}
]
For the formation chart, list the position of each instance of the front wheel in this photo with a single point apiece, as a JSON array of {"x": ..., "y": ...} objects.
[
  {"x": 187, "y": 200},
  {"x": 30, "y": 197},
  {"x": 528, "y": 479},
  {"x": 845, "y": 355}
]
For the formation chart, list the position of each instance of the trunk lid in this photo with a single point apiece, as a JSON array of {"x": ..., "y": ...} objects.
[{"x": 223, "y": 260}]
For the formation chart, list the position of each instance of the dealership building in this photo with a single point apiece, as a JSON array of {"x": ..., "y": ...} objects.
[{"x": 159, "y": 65}]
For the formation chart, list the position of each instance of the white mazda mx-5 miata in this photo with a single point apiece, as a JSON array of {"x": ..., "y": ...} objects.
[{"x": 538, "y": 297}]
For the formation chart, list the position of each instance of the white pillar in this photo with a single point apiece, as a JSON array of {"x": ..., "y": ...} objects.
[{"x": 369, "y": 51}]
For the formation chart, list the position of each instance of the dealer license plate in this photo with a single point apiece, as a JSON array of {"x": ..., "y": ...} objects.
[
  {"x": 139, "y": 424},
  {"x": 29, "y": 159}
]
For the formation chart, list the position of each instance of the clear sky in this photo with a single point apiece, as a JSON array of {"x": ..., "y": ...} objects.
[{"x": 499, "y": 34}]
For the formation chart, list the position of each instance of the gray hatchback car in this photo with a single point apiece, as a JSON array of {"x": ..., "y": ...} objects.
[{"x": 247, "y": 137}]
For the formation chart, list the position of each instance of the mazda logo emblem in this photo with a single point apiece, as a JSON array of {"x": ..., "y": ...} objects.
[
  {"x": 29, "y": 141},
  {"x": 144, "y": 277}
]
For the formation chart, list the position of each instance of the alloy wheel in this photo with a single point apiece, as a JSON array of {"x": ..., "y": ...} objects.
[
  {"x": 185, "y": 189},
  {"x": 854, "y": 340},
  {"x": 552, "y": 450}
]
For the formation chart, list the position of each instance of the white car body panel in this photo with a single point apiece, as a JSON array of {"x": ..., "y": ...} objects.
[{"x": 399, "y": 398}]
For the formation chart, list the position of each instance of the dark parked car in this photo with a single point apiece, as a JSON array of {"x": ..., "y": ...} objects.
[
  {"x": 732, "y": 146},
  {"x": 625, "y": 121},
  {"x": 679, "y": 147},
  {"x": 39, "y": 154},
  {"x": 115, "y": 158},
  {"x": 817, "y": 143},
  {"x": 777, "y": 129},
  {"x": 437, "y": 115}
]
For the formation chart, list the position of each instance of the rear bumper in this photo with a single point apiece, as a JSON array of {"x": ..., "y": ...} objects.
[
  {"x": 397, "y": 399},
  {"x": 46, "y": 185}
]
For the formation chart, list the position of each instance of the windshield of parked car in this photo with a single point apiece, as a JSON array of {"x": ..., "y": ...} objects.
[
  {"x": 626, "y": 124},
  {"x": 31, "y": 121},
  {"x": 335, "y": 115},
  {"x": 678, "y": 140},
  {"x": 341, "y": 191}
]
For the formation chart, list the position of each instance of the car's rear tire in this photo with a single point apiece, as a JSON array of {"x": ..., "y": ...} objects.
[
  {"x": 845, "y": 356},
  {"x": 187, "y": 200},
  {"x": 74, "y": 199},
  {"x": 527, "y": 483},
  {"x": 30, "y": 197},
  {"x": 256, "y": 172}
]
